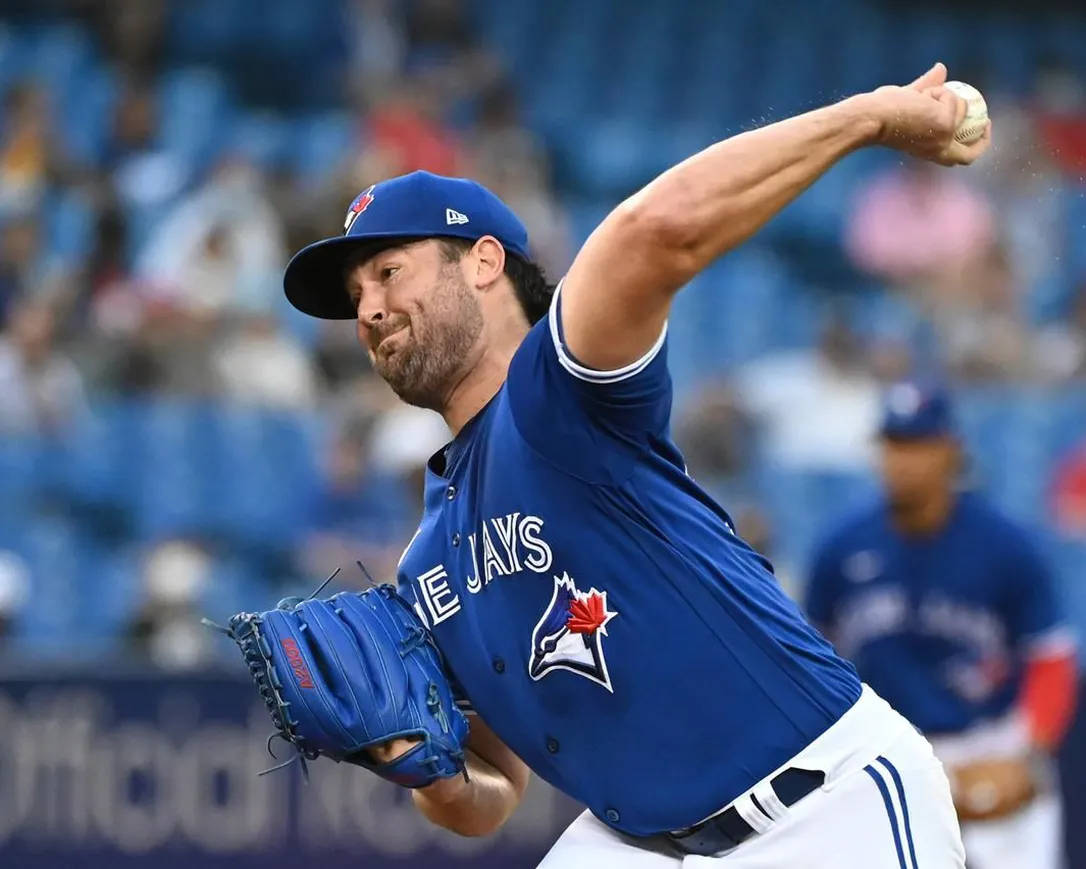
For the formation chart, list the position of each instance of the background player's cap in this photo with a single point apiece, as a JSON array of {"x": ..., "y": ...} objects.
[
  {"x": 914, "y": 411},
  {"x": 417, "y": 205}
]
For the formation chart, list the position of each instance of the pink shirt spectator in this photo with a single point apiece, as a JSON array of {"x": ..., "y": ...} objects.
[{"x": 915, "y": 223}]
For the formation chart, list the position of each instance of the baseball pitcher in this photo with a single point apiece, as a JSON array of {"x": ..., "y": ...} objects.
[{"x": 595, "y": 613}]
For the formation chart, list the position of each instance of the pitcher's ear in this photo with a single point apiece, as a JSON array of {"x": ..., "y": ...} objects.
[{"x": 489, "y": 256}]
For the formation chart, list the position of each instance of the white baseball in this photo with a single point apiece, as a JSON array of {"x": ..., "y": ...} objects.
[{"x": 976, "y": 114}]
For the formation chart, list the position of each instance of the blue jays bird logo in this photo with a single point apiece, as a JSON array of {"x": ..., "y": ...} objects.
[
  {"x": 569, "y": 636},
  {"x": 360, "y": 204}
]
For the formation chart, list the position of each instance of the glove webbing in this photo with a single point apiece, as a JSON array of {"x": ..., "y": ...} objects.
[{"x": 244, "y": 629}]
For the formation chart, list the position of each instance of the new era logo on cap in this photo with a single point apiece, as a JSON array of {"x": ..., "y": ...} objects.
[{"x": 454, "y": 217}]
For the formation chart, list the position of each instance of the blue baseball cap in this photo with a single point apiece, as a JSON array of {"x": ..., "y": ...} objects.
[
  {"x": 409, "y": 207},
  {"x": 916, "y": 411}
]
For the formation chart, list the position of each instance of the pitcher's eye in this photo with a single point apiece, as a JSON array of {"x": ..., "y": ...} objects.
[{"x": 388, "y": 271}]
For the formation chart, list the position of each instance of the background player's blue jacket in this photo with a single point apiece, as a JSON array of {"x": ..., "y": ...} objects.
[
  {"x": 939, "y": 626},
  {"x": 595, "y": 606}
]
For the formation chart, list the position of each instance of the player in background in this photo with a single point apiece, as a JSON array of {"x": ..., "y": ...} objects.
[
  {"x": 594, "y": 605},
  {"x": 949, "y": 612}
]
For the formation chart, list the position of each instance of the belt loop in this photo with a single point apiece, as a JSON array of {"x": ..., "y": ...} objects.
[
  {"x": 769, "y": 801},
  {"x": 750, "y": 813}
]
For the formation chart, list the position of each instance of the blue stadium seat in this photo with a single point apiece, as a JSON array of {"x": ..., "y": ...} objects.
[
  {"x": 87, "y": 108},
  {"x": 202, "y": 29},
  {"x": 803, "y": 505},
  {"x": 96, "y": 459},
  {"x": 52, "y": 550},
  {"x": 320, "y": 142},
  {"x": 261, "y": 470},
  {"x": 1004, "y": 52},
  {"x": 110, "y": 593},
  {"x": 20, "y": 460},
  {"x": 168, "y": 482},
  {"x": 263, "y": 137},
  {"x": 60, "y": 56},
  {"x": 69, "y": 225},
  {"x": 196, "y": 108},
  {"x": 15, "y": 49},
  {"x": 234, "y": 586},
  {"x": 1063, "y": 37},
  {"x": 1075, "y": 211}
]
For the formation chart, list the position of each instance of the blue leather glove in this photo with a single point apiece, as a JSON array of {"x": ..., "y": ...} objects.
[{"x": 353, "y": 671}]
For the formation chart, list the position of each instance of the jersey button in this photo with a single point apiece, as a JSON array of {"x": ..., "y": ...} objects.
[
  {"x": 499, "y": 665},
  {"x": 612, "y": 815},
  {"x": 450, "y": 492},
  {"x": 456, "y": 539},
  {"x": 552, "y": 745}
]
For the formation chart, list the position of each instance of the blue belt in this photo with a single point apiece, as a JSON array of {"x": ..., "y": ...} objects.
[{"x": 728, "y": 829}]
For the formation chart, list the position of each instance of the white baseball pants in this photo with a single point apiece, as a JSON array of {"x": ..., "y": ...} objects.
[{"x": 885, "y": 805}]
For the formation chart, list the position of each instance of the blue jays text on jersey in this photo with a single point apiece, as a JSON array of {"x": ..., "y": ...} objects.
[
  {"x": 595, "y": 607},
  {"x": 939, "y": 626}
]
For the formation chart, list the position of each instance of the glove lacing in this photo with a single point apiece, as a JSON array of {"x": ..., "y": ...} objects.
[{"x": 244, "y": 629}]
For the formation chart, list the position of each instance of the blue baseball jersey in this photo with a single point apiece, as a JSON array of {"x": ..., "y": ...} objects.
[
  {"x": 939, "y": 626},
  {"x": 595, "y": 606}
]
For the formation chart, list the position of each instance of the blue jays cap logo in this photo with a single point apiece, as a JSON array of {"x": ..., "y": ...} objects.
[
  {"x": 569, "y": 636},
  {"x": 360, "y": 204}
]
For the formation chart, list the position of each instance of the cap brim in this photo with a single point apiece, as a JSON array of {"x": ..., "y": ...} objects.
[{"x": 314, "y": 279}]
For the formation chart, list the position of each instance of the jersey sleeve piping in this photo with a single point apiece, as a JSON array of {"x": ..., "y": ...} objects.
[{"x": 593, "y": 375}]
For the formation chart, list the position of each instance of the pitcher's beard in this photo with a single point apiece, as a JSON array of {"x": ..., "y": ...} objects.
[
  {"x": 414, "y": 377},
  {"x": 424, "y": 370}
]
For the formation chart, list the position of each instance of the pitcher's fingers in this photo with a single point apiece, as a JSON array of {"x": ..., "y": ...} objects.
[
  {"x": 975, "y": 149},
  {"x": 934, "y": 76},
  {"x": 960, "y": 154}
]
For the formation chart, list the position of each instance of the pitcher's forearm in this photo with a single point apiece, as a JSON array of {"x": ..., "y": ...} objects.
[
  {"x": 718, "y": 198},
  {"x": 476, "y": 807}
]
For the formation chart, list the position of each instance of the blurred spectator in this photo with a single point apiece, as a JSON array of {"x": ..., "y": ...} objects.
[
  {"x": 512, "y": 162},
  {"x": 24, "y": 147},
  {"x": 438, "y": 27},
  {"x": 984, "y": 335},
  {"x": 401, "y": 443},
  {"x": 818, "y": 407},
  {"x": 1060, "y": 349},
  {"x": 918, "y": 224},
  {"x": 715, "y": 433},
  {"x": 41, "y": 392},
  {"x": 1060, "y": 106},
  {"x": 167, "y": 630},
  {"x": 145, "y": 176},
  {"x": 406, "y": 128},
  {"x": 220, "y": 249},
  {"x": 379, "y": 42},
  {"x": 19, "y": 260},
  {"x": 359, "y": 512},
  {"x": 1025, "y": 190},
  {"x": 445, "y": 51},
  {"x": 132, "y": 31},
  {"x": 343, "y": 366},
  {"x": 14, "y": 591},
  {"x": 258, "y": 363}
]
